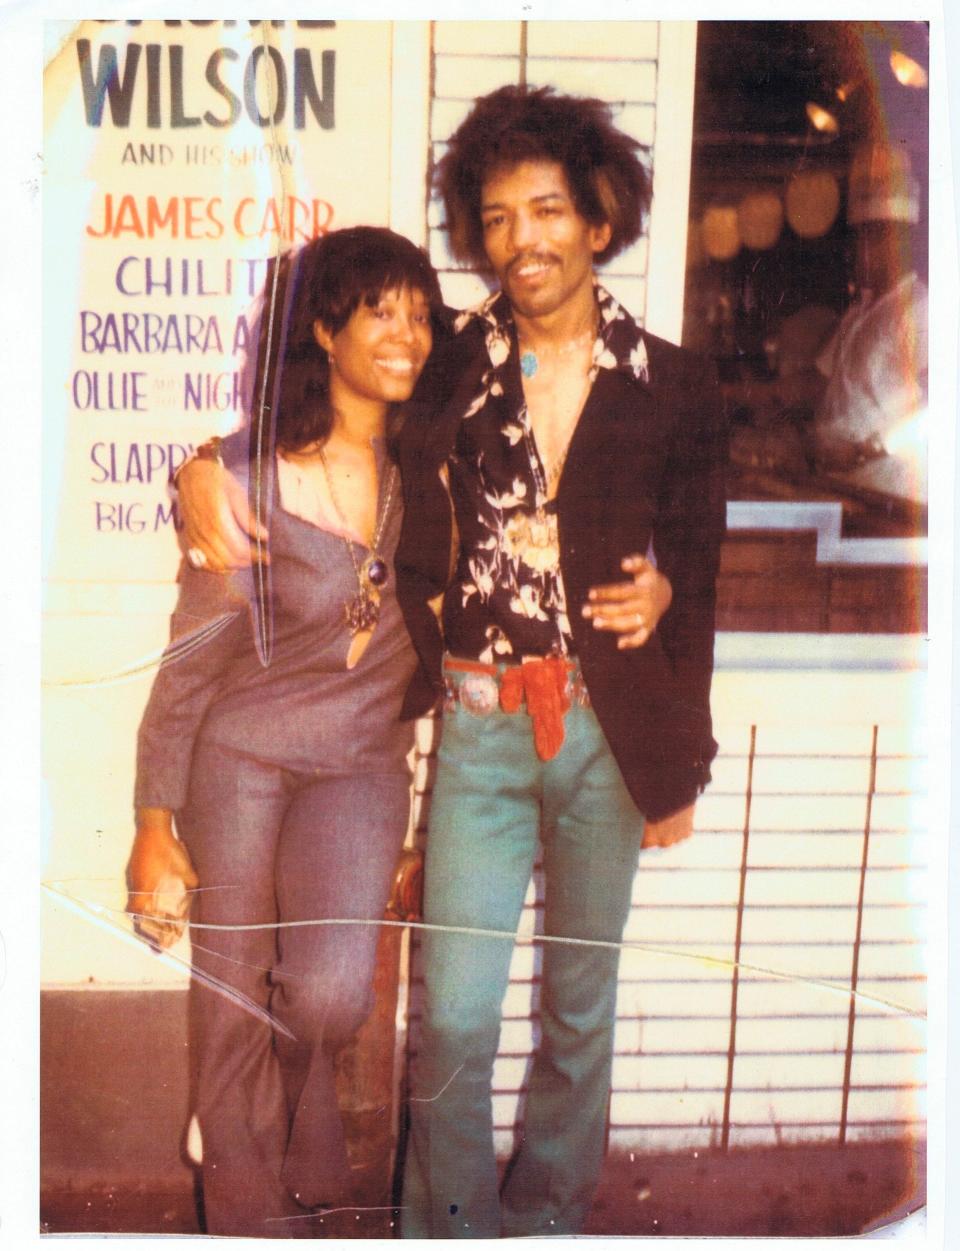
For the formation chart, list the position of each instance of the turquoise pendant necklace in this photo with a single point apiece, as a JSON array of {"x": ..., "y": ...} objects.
[{"x": 530, "y": 363}]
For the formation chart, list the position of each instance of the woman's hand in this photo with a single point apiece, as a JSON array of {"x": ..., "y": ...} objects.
[
  {"x": 217, "y": 523},
  {"x": 631, "y": 609},
  {"x": 160, "y": 878}
]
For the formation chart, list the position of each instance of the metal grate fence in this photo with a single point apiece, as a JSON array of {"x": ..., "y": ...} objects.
[{"x": 772, "y": 982}]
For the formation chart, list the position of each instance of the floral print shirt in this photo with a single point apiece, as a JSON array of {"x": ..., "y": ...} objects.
[{"x": 507, "y": 599}]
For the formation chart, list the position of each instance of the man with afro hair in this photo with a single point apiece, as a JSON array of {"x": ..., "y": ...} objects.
[{"x": 557, "y": 447}]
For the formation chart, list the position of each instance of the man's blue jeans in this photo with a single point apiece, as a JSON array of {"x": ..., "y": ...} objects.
[{"x": 492, "y": 800}]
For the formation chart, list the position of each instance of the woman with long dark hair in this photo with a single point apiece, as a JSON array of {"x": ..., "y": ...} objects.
[{"x": 272, "y": 774}]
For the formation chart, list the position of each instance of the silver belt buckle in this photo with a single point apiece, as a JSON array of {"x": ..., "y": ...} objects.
[
  {"x": 577, "y": 690},
  {"x": 479, "y": 693}
]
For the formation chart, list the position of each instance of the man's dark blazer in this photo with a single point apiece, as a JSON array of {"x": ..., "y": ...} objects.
[{"x": 646, "y": 462}]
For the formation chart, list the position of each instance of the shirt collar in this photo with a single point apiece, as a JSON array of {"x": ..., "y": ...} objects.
[{"x": 619, "y": 344}]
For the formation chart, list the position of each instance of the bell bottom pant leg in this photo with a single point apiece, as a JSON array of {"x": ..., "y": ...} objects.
[
  {"x": 231, "y": 826},
  {"x": 484, "y": 819},
  {"x": 270, "y": 847},
  {"x": 491, "y": 796},
  {"x": 592, "y": 833},
  {"x": 337, "y": 857}
]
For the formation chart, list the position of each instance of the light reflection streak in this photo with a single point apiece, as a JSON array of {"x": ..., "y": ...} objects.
[{"x": 104, "y": 916}]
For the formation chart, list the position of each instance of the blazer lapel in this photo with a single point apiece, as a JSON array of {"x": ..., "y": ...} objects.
[
  {"x": 444, "y": 403},
  {"x": 448, "y": 421},
  {"x": 614, "y": 399}
]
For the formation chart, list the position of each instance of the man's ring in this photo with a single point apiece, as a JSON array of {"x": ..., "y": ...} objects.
[
  {"x": 639, "y": 620},
  {"x": 196, "y": 557}
]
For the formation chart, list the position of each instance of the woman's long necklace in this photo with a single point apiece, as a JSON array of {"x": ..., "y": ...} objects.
[{"x": 363, "y": 611}]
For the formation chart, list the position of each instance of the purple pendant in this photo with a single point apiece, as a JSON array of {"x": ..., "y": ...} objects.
[{"x": 377, "y": 572}]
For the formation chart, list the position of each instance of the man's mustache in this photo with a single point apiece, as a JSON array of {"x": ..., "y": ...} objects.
[{"x": 538, "y": 258}]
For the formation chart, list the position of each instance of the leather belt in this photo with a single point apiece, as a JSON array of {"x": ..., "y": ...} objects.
[{"x": 546, "y": 686}]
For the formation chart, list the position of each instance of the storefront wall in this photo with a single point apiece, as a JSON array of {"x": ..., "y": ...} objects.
[{"x": 165, "y": 218}]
